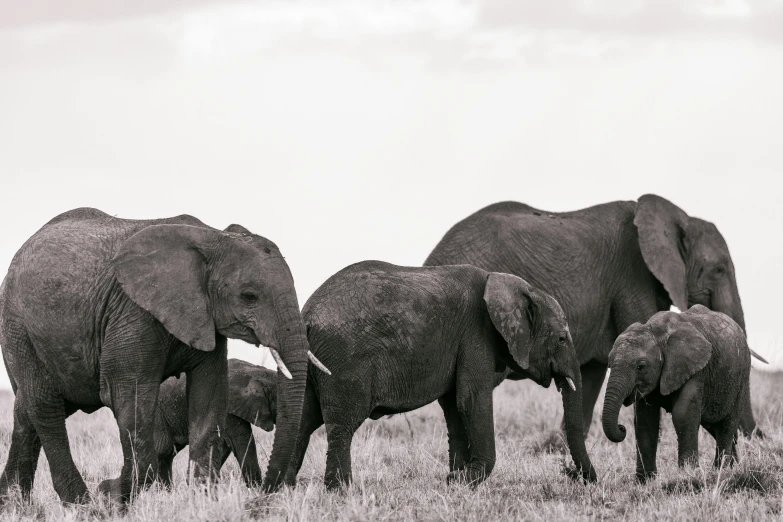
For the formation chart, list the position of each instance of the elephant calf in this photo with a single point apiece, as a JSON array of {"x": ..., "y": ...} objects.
[
  {"x": 695, "y": 365},
  {"x": 252, "y": 396},
  {"x": 397, "y": 338}
]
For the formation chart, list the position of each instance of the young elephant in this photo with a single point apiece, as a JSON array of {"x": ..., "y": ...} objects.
[
  {"x": 695, "y": 365},
  {"x": 252, "y": 397},
  {"x": 397, "y": 338}
]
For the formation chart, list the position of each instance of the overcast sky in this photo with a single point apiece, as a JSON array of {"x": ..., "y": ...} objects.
[{"x": 351, "y": 130}]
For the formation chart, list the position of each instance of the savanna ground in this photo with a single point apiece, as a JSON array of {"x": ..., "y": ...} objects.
[{"x": 400, "y": 465}]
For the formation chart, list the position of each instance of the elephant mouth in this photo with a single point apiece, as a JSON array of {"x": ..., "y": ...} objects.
[
  {"x": 702, "y": 297},
  {"x": 562, "y": 380},
  {"x": 633, "y": 396}
]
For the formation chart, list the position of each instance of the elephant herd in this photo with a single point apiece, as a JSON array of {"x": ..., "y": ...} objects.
[{"x": 134, "y": 315}]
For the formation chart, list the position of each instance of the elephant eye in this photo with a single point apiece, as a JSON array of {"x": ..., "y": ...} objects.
[
  {"x": 249, "y": 297},
  {"x": 562, "y": 340},
  {"x": 719, "y": 271},
  {"x": 640, "y": 366}
]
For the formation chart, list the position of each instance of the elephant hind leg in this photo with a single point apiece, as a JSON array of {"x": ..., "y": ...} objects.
[
  {"x": 23, "y": 454},
  {"x": 312, "y": 419},
  {"x": 48, "y": 417}
]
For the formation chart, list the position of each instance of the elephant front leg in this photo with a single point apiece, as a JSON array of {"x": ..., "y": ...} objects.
[
  {"x": 647, "y": 422},
  {"x": 686, "y": 417},
  {"x": 207, "y": 391},
  {"x": 593, "y": 374},
  {"x": 459, "y": 448},
  {"x": 134, "y": 405},
  {"x": 477, "y": 416}
]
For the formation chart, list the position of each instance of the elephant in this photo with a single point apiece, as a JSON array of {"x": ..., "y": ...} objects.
[
  {"x": 98, "y": 311},
  {"x": 695, "y": 365},
  {"x": 609, "y": 266},
  {"x": 397, "y": 338},
  {"x": 252, "y": 400}
]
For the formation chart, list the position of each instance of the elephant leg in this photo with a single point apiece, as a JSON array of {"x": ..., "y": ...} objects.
[
  {"x": 725, "y": 434},
  {"x": 593, "y": 374},
  {"x": 134, "y": 405},
  {"x": 207, "y": 392},
  {"x": 338, "y": 454},
  {"x": 48, "y": 417},
  {"x": 459, "y": 448},
  {"x": 747, "y": 422},
  {"x": 686, "y": 417},
  {"x": 240, "y": 434},
  {"x": 164, "y": 469},
  {"x": 475, "y": 408},
  {"x": 312, "y": 419},
  {"x": 647, "y": 423},
  {"x": 22, "y": 455}
]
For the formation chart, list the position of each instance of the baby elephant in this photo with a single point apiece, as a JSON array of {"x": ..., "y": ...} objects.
[
  {"x": 397, "y": 338},
  {"x": 251, "y": 400},
  {"x": 695, "y": 365}
]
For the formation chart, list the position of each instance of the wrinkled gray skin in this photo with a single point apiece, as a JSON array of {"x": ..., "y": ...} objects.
[
  {"x": 695, "y": 365},
  {"x": 252, "y": 395},
  {"x": 608, "y": 266},
  {"x": 98, "y": 311},
  {"x": 397, "y": 338}
]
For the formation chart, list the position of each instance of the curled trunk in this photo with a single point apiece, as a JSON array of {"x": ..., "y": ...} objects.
[
  {"x": 617, "y": 389},
  {"x": 575, "y": 429},
  {"x": 292, "y": 339}
]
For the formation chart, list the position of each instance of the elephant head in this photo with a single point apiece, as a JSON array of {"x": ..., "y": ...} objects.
[
  {"x": 688, "y": 256},
  {"x": 534, "y": 327},
  {"x": 252, "y": 393},
  {"x": 199, "y": 282},
  {"x": 663, "y": 353}
]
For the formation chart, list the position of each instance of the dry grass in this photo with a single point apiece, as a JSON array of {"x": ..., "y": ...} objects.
[{"x": 400, "y": 469}]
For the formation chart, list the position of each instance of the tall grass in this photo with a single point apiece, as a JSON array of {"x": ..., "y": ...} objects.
[{"x": 400, "y": 465}]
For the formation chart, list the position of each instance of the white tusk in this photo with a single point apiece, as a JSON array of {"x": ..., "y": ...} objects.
[
  {"x": 757, "y": 356},
  {"x": 318, "y": 364},
  {"x": 571, "y": 383},
  {"x": 280, "y": 363}
]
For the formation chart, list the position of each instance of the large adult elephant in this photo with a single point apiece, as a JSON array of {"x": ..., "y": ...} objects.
[
  {"x": 98, "y": 311},
  {"x": 609, "y": 266}
]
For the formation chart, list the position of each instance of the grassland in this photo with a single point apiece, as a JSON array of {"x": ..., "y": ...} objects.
[{"x": 400, "y": 466}]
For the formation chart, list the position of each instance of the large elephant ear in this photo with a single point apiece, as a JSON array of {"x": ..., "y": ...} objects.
[
  {"x": 252, "y": 393},
  {"x": 511, "y": 310},
  {"x": 685, "y": 352},
  {"x": 661, "y": 226},
  {"x": 163, "y": 270}
]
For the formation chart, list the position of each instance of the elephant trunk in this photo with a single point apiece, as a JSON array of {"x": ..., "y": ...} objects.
[
  {"x": 574, "y": 426},
  {"x": 726, "y": 299},
  {"x": 618, "y": 388},
  {"x": 292, "y": 339}
]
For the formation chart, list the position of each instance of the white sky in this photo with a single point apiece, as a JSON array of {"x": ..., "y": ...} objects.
[{"x": 351, "y": 130}]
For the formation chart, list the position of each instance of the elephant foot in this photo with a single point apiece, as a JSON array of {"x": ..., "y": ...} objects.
[
  {"x": 112, "y": 488},
  {"x": 582, "y": 474},
  {"x": 644, "y": 476},
  {"x": 468, "y": 476}
]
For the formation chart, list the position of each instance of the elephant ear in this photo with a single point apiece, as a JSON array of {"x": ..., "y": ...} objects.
[
  {"x": 511, "y": 310},
  {"x": 661, "y": 226},
  {"x": 252, "y": 393},
  {"x": 685, "y": 352},
  {"x": 163, "y": 270}
]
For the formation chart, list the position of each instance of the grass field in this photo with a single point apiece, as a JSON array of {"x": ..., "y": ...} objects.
[{"x": 400, "y": 465}]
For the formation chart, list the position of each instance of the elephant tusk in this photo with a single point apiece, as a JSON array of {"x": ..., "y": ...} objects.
[
  {"x": 571, "y": 384},
  {"x": 280, "y": 363},
  {"x": 318, "y": 364},
  {"x": 757, "y": 356}
]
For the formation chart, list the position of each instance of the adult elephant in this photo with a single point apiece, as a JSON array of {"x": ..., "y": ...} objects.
[
  {"x": 609, "y": 266},
  {"x": 98, "y": 311}
]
